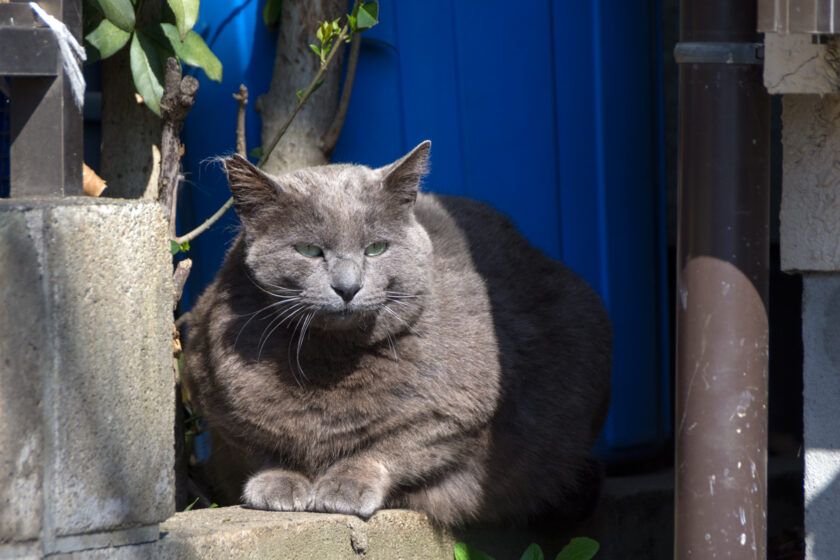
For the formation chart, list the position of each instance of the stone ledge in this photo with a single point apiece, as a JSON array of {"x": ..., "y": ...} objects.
[{"x": 634, "y": 520}]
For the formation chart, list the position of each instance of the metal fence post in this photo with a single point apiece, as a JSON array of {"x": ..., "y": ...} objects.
[{"x": 46, "y": 126}]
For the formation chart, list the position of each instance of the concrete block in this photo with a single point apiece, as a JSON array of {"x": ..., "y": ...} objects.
[
  {"x": 23, "y": 355},
  {"x": 794, "y": 63},
  {"x": 810, "y": 213},
  {"x": 237, "y": 533},
  {"x": 821, "y": 370},
  {"x": 86, "y": 350}
]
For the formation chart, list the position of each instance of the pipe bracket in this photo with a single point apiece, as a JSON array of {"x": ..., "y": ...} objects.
[{"x": 719, "y": 53}]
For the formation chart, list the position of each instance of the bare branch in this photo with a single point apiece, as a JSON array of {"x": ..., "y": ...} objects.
[
  {"x": 207, "y": 223},
  {"x": 330, "y": 137},
  {"x": 177, "y": 100},
  {"x": 179, "y": 278},
  {"x": 242, "y": 98},
  {"x": 342, "y": 36}
]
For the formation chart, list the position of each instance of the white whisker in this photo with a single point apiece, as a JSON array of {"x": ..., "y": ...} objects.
[
  {"x": 400, "y": 319},
  {"x": 255, "y": 314},
  {"x": 289, "y": 313}
]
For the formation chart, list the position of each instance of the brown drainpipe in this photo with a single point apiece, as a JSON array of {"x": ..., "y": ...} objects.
[{"x": 722, "y": 262}]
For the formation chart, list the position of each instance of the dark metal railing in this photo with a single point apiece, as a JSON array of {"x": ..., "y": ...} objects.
[{"x": 46, "y": 126}]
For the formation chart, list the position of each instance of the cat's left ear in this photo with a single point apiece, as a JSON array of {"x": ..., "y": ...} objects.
[
  {"x": 402, "y": 178},
  {"x": 251, "y": 188}
]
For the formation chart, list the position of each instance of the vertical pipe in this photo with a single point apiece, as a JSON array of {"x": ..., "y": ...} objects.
[{"x": 722, "y": 329}]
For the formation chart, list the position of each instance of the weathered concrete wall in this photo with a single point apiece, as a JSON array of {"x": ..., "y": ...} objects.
[
  {"x": 810, "y": 216},
  {"x": 86, "y": 381},
  {"x": 821, "y": 344},
  {"x": 797, "y": 63}
]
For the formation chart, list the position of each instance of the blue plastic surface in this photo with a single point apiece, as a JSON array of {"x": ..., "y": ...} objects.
[{"x": 552, "y": 114}]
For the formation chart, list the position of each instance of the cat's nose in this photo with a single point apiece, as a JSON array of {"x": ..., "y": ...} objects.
[
  {"x": 346, "y": 278},
  {"x": 347, "y": 292}
]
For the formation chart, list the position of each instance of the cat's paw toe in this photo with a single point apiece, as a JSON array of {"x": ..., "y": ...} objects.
[
  {"x": 347, "y": 495},
  {"x": 276, "y": 489}
]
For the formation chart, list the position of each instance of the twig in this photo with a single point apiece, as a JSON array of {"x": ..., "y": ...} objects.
[
  {"x": 340, "y": 38},
  {"x": 330, "y": 137},
  {"x": 176, "y": 102},
  {"x": 151, "y": 191},
  {"x": 207, "y": 223},
  {"x": 242, "y": 98},
  {"x": 179, "y": 278}
]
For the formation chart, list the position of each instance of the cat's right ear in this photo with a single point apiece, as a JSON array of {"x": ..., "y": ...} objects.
[
  {"x": 401, "y": 179},
  {"x": 251, "y": 188}
]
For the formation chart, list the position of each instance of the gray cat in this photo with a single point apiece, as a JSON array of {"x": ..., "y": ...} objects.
[{"x": 365, "y": 346}]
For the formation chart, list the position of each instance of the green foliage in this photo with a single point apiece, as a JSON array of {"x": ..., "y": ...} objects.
[
  {"x": 118, "y": 12},
  {"x": 105, "y": 40},
  {"x": 186, "y": 14},
  {"x": 147, "y": 71},
  {"x": 533, "y": 552},
  {"x": 365, "y": 16},
  {"x": 110, "y": 24},
  {"x": 330, "y": 33},
  {"x": 580, "y": 548},
  {"x": 178, "y": 248},
  {"x": 192, "y": 50},
  {"x": 463, "y": 551}
]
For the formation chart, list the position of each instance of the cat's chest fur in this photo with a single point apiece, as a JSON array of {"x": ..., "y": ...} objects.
[{"x": 329, "y": 398}]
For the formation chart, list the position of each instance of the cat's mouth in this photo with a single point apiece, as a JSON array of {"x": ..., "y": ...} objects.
[{"x": 343, "y": 317}]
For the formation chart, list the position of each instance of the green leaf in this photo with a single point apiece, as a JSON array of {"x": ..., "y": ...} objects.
[
  {"x": 317, "y": 85},
  {"x": 368, "y": 16},
  {"x": 299, "y": 93},
  {"x": 315, "y": 49},
  {"x": 533, "y": 552},
  {"x": 105, "y": 40},
  {"x": 186, "y": 14},
  {"x": 271, "y": 12},
  {"x": 189, "y": 507},
  {"x": 174, "y": 247},
  {"x": 120, "y": 12},
  {"x": 193, "y": 51},
  {"x": 463, "y": 551},
  {"x": 256, "y": 152},
  {"x": 580, "y": 548},
  {"x": 147, "y": 71}
]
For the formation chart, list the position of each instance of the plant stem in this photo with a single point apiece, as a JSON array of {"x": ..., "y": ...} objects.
[
  {"x": 242, "y": 98},
  {"x": 207, "y": 223},
  {"x": 342, "y": 36},
  {"x": 330, "y": 137}
]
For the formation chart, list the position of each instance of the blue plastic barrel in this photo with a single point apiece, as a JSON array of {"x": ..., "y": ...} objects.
[{"x": 552, "y": 114}]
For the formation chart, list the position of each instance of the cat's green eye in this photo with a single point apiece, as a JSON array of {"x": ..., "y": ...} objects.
[
  {"x": 308, "y": 250},
  {"x": 376, "y": 249}
]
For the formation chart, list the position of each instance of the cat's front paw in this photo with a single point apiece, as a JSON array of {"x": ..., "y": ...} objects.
[
  {"x": 351, "y": 489},
  {"x": 277, "y": 489}
]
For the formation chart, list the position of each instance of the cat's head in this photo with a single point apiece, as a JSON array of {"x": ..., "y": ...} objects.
[{"x": 339, "y": 242}]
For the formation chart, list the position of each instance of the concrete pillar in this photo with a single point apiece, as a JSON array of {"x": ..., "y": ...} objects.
[
  {"x": 821, "y": 345},
  {"x": 86, "y": 381},
  {"x": 810, "y": 244}
]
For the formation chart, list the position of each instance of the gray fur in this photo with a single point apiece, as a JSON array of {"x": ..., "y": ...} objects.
[{"x": 468, "y": 375}]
